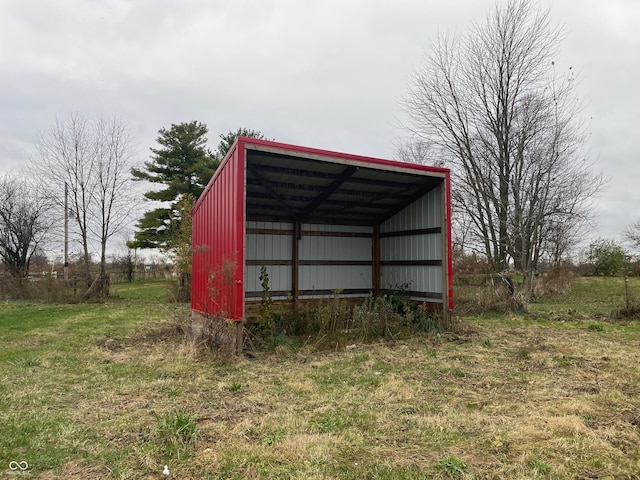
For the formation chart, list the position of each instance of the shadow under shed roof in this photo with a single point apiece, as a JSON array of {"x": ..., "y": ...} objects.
[{"x": 309, "y": 188}]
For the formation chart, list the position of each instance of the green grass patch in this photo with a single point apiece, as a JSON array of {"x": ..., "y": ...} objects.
[
  {"x": 176, "y": 432},
  {"x": 540, "y": 467},
  {"x": 451, "y": 467}
]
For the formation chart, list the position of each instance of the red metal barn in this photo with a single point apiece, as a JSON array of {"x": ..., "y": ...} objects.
[{"x": 318, "y": 221}]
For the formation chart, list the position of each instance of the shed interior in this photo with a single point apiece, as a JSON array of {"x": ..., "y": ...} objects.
[
  {"x": 320, "y": 224},
  {"x": 306, "y": 190}
]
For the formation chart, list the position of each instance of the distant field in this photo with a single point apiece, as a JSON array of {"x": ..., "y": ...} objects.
[{"x": 116, "y": 390}]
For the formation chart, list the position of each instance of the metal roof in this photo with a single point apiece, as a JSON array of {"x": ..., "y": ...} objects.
[{"x": 318, "y": 186}]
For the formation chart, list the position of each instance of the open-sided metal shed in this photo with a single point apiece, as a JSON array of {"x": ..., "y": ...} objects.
[{"x": 318, "y": 221}]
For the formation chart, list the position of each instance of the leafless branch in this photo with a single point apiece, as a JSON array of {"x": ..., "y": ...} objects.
[{"x": 490, "y": 104}]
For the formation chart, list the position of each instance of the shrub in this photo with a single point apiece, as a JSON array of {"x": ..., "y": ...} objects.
[
  {"x": 631, "y": 310},
  {"x": 493, "y": 295},
  {"x": 334, "y": 315},
  {"x": 607, "y": 257},
  {"x": 464, "y": 263},
  {"x": 556, "y": 281},
  {"x": 46, "y": 289},
  {"x": 180, "y": 288}
]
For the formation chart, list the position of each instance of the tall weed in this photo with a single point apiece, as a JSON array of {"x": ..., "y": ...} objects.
[
  {"x": 336, "y": 322},
  {"x": 176, "y": 432}
]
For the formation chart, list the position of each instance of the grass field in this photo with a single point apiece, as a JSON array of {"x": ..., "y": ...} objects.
[{"x": 116, "y": 390}]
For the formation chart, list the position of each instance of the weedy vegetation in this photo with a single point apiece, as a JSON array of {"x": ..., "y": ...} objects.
[{"x": 120, "y": 389}]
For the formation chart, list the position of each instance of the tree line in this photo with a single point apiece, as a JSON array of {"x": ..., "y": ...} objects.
[{"x": 82, "y": 175}]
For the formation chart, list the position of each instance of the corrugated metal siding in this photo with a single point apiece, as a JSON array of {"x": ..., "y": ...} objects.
[
  {"x": 335, "y": 248},
  {"x": 412, "y": 247},
  {"x": 218, "y": 242},
  {"x": 425, "y": 279},
  {"x": 317, "y": 246},
  {"x": 279, "y": 280},
  {"x": 269, "y": 248},
  {"x": 425, "y": 213},
  {"x": 315, "y": 281}
]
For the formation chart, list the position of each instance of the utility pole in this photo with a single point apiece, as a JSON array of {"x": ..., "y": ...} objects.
[{"x": 66, "y": 231}]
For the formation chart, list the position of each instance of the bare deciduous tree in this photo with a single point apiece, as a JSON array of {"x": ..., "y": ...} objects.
[
  {"x": 93, "y": 160},
  {"x": 560, "y": 237},
  {"x": 632, "y": 235},
  {"x": 492, "y": 107},
  {"x": 64, "y": 157},
  {"x": 112, "y": 193},
  {"x": 25, "y": 221},
  {"x": 416, "y": 150}
]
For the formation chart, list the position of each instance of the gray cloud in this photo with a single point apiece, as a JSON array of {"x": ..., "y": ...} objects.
[{"x": 324, "y": 74}]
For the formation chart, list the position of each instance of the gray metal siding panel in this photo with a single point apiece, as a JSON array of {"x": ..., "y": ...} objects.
[
  {"x": 308, "y": 227},
  {"x": 260, "y": 246},
  {"x": 339, "y": 248},
  {"x": 279, "y": 278},
  {"x": 335, "y": 248},
  {"x": 332, "y": 277},
  {"x": 418, "y": 278},
  {"x": 268, "y": 247},
  {"x": 423, "y": 213},
  {"x": 412, "y": 247}
]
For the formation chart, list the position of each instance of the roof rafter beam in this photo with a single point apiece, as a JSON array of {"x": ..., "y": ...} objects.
[
  {"x": 273, "y": 193},
  {"x": 368, "y": 203},
  {"x": 309, "y": 173},
  {"x": 290, "y": 171},
  {"x": 315, "y": 203}
]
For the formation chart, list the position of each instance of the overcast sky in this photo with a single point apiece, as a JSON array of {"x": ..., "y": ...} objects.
[{"x": 327, "y": 74}]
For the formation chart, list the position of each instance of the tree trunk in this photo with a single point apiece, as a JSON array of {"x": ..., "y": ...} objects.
[{"x": 99, "y": 288}]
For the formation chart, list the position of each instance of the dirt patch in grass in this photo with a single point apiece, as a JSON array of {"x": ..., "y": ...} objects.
[{"x": 76, "y": 470}]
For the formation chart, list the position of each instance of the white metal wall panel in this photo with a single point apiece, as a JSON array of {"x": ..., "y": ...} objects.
[
  {"x": 412, "y": 247},
  {"x": 279, "y": 278},
  {"x": 416, "y": 278},
  {"x": 261, "y": 246},
  {"x": 424, "y": 213},
  {"x": 268, "y": 247},
  {"x": 335, "y": 248},
  {"x": 320, "y": 227},
  {"x": 323, "y": 248},
  {"x": 331, "y": 277}
]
